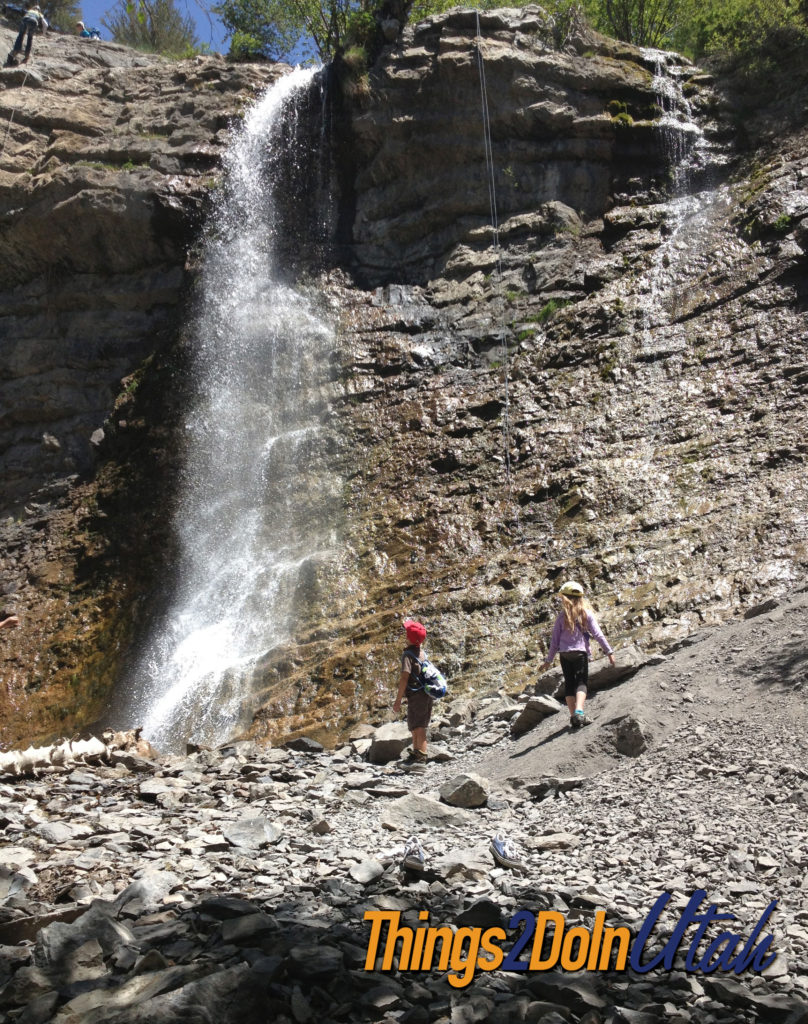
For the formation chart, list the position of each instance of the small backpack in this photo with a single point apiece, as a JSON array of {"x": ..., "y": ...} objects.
[{"x": 432, "y": 680}]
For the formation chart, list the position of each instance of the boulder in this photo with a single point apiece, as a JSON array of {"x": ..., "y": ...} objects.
[
  {"x": 535, "y": 711},
  {"x": 414, "y": 812},
  {"x": 388, "y": 743},
  {"x": 467, "y": 790},
  {"x": 631, "y": 736}
]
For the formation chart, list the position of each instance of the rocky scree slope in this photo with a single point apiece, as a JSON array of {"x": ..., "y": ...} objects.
[{"x": 232, "y": 884}]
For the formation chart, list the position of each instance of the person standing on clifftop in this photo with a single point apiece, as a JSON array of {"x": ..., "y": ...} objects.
[
  {"x": 419, "y": 703},
  {"x": 87, "y": 33},
  {"x": 573, "y": 627},
  {"x": 32, "y": 20}
]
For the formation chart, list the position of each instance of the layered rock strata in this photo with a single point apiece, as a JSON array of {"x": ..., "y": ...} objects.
[{"x": 614, "y": 393}]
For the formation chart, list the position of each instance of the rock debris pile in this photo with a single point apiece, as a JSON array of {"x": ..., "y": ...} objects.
[{"x": 232, "y": 884}]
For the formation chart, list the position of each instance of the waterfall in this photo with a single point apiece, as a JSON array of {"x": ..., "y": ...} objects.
[{"x": 255, "y": 515}]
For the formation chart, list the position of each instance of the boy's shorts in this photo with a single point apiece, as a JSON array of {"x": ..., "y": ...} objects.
[{"x": 419, "y": 709}]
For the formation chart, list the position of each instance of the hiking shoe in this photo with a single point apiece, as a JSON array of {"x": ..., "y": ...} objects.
[
  {"x": 416, "y": 761},
  {"x": 580, "y": 719},
  {"x": 574, "y": 723},
  {"x": 413, "y": 858},
  {"x": 506, "y": 852}
]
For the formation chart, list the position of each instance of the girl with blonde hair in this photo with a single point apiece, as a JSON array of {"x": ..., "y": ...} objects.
[{"x": 572, "y": 629}]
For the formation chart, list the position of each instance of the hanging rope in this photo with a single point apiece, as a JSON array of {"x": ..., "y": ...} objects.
[
  {"x": 11, "y": 119},
  {"x": 492, "y": 202}
]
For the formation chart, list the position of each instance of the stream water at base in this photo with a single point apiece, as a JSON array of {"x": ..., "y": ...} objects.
[{"x": 254, "y": 520}]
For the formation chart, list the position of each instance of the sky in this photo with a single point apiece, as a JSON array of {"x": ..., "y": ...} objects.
[{"x": 208, "y": 28}]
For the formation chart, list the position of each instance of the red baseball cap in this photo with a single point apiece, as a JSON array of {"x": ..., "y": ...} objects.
[{"x": 416, "y": 633}]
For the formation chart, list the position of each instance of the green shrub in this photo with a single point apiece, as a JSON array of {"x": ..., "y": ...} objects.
[
  {"x": 549, "y": 310},
  {"x": 615, "y": 107}
]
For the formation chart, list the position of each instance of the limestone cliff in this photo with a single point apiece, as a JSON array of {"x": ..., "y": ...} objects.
[{"x": 615, "y": 393}]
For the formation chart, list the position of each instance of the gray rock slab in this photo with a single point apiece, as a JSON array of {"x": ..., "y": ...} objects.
[
  {"x": 467, "y": 790},
  {"x": 366, "y": 872},
  {"x": 251, "y": 833},
  {"x": 415, "y": 811},
  {"x": 535, "y": 711},
  {"x": 147, "y": 892},
  {"x": 56, "y": 943},
  {"x": 553, "y": 841},
  {"x": 247, "y": 929}
]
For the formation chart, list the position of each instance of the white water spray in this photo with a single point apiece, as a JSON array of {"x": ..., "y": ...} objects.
[{"x": 253, "y": 521}]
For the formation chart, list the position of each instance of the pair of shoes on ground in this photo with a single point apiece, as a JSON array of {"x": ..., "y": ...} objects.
[
  {"x": 578, "y": 719},
  {"x": 505, "y": 851}
]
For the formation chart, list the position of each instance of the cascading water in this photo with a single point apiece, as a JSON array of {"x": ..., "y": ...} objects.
[
  {"x": 254, "y": 520},
  {"x": 654, "y": 347},
  {"x": 659, "y": 341}
]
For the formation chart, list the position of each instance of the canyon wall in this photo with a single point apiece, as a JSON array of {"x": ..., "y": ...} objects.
[{"x": 615, "y": 392}]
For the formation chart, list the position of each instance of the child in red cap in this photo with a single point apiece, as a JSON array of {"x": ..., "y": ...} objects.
[{"x": 419, "y": 703}]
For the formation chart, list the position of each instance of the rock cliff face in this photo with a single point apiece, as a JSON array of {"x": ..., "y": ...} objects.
[
  {"x": 616, "y": 392},
  {"x": 108, "y": 161},
  {"x": 421, "y": 182}
]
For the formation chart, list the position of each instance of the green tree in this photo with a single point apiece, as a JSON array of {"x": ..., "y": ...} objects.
[
  {"x": 642, "y": 22},
  {"x": 278, "y": 28},
  {"x": 260, "y": 28},
  {"x": 62, "y": 14},
  {"x": 733, "y": 27},
  {"x": 155, "y": 26}
]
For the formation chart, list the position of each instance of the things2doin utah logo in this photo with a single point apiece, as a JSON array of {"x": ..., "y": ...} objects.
[{"x": 545, "y": 942}]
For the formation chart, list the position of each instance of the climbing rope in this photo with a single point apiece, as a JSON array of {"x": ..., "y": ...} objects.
[
  {"x": 11, "y": 119},
  {"x": 492, "y": 202}
]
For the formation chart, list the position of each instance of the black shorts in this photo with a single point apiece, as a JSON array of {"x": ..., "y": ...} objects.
[{"x": 575, "y": 666}]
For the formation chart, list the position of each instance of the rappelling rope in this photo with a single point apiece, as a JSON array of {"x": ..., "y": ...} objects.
[
  {"x": 492, "y": 202},
  {"x": 10, "y": 120}
]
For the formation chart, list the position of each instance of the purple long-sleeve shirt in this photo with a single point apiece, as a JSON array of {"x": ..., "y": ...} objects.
[{"x": 564, "y": 639}]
